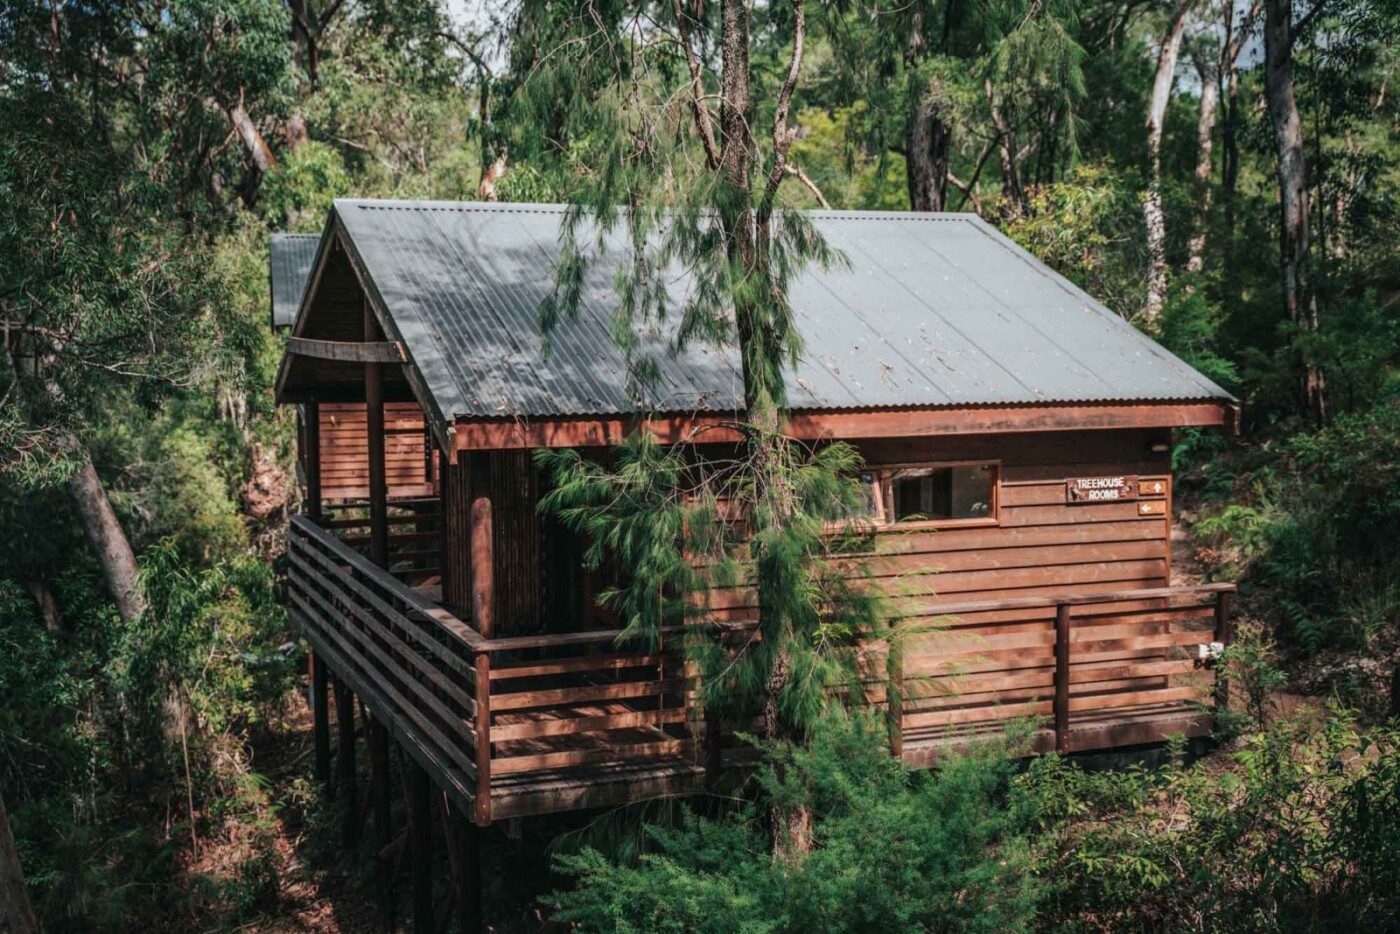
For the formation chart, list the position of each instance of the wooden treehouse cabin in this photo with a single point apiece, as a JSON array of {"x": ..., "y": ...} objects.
[{"x": 1017, "y": 436}]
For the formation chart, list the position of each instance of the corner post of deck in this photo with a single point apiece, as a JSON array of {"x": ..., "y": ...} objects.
[
  {"x": 345, "y": 762},
  {"x": 321, "y": 723},
  {"x": 894, "y": 694},
  {"x": 1224, "y": 634},
  {"x": 1062, "y": 632},
  {"x": 483, "y": 738},
  {"x": 374, "y": 424},
  {"x": 311, "y": 458}
]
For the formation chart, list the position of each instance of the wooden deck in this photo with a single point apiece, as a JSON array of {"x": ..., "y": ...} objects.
[{"x": 512, "y": 727}]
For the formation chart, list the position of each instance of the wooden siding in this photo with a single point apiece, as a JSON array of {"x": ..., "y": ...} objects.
[{"x": 345, "y": 451}]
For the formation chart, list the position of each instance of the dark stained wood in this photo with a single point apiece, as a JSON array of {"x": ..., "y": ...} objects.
[
  {"x": 467, "y": 839},
  {"x": 483, "y": 739},
  {"x": 420, "y": 848},
  {"x": 1062, "y": 647},
  {"x": 374, "y": 442},
  {"x": 311, "y": 458},
  {"x": 1225, "y": 635},
  {"x": 345, "y": 763},
  {"x": 478, "y": 434},
  {"x": 366, "y": 351},
  {"x": 321, "y": 722}
]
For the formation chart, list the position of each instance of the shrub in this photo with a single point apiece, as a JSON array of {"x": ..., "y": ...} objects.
[{"x": 895, "y": 851}]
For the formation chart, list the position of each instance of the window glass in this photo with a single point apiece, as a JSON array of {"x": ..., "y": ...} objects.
[{"x": 931, "y": 493}]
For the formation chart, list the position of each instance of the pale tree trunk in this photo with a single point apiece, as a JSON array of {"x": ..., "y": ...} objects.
[
  {"x": 48, "y": 606},
  {"x": 1294, "y": 244},
  {"x": 1014, "y": 201},
  {"x": 1152, "y": 204},
  {"x": 107, "y": 538},
  {"x": 253, "y": 140},
  {"x": 490, "y": 177},
  {"x": 1205, "y": 146},
  {"x": 16, "y": 913}
]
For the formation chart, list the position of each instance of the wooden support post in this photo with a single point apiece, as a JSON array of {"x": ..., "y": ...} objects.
[
  {"x": 483, "y": 738},
  {"x": 321, "y": 723},
  {"x": 1224, "y": 634},
  {"x": 378, "y": 738},
  {"x": 420, "y": 846},
  {"x": 894, "y": 696},
  {"x": 311, "y": 458},
  {"x": 374, "y": 428},
  {"x": 467, "y": 866},
  {"x": 482, "y": 536},
  {"x": 1062, "y": 628},
  {"x": 345, "y": 762}
]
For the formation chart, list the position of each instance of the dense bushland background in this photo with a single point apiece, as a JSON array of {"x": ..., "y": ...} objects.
[{"x": 153, "y": 771}]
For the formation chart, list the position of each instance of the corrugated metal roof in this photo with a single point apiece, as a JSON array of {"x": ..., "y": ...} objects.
[
  {"x": 928, "y": 310},
  {"x": 292, "y": 256}
]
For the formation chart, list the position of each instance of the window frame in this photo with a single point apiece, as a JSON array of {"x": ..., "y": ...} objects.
[{"x": 884, "y": 496}]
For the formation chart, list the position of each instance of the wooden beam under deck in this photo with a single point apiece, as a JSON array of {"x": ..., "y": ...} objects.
[{"x": 850, "y": 425}]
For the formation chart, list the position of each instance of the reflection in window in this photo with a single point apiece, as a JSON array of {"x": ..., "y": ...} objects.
[{"x": 932, "y": 493}]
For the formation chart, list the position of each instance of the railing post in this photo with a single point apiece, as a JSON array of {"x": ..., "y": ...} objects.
[
  {"x": 894, "y": 696},
  {"x": 1224, "y": 634},
  {"x": 1062, "y": 629},
  {"x": 483, "y": 738}
]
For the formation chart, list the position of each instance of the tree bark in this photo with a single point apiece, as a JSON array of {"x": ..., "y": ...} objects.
[
  {"x": 1152, "y": 204},
  {"x": 16, "y": 913},
  {"x": 1205, "y": 147},
  {"x": 107, "y": 538},
  {"x": 1014, "y": 201},
  {"x": 252, "y": 139},
  {"x": 1294, "y": 246},
  {"x": 926, "y": 143},
  {"x": 48, "y": 606}
]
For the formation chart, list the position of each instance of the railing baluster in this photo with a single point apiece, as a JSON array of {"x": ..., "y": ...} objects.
[
  {"x": 1062, "y": 626},
  {"x": 1224, "y": 634}
]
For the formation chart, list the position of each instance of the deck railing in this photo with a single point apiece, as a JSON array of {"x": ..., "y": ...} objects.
[
  {"x": 1103, "y": 669},
  {"x": 496, "y": 719}
]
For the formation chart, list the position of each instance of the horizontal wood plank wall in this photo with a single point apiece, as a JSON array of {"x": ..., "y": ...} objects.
[{"x": 345, "y": 451}]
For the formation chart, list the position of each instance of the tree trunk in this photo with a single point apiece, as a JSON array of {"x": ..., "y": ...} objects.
[
  {"x": 16, "y": 913},
  {"x": 252, "y": 139},
  {"x": 1205, "y": 145},
  {"x": 1152, "y": 205},
  {"x": 107, "y": 538},
  {"x": 1294, "y": 246},
  {"x": 1014, "y": 201},
  {"x": 926, "y": 142},
  {"x": 48, "y": 606}
]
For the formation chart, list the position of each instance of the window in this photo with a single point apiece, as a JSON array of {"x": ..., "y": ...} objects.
[{"x": 941, "y": 493}]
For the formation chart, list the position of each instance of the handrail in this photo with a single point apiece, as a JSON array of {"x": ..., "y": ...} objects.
[{"x": 449, "y": 623}]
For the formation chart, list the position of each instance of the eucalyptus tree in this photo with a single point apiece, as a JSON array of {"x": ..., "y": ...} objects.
[
  {"x": 674, "y": 137},
  {"x": 947, "y": 86}
]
